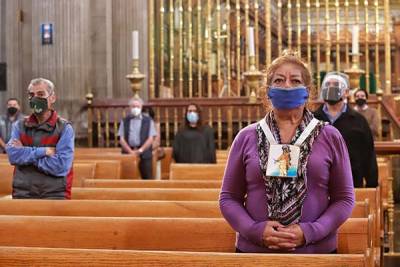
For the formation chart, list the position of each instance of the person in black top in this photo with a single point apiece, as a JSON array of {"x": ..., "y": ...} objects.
[
  {"x": 195, "y": 142},
  {"x": 353, "y": 127}
]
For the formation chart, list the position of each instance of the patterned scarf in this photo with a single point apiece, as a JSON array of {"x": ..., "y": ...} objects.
[{"x": 285, "y": 196}]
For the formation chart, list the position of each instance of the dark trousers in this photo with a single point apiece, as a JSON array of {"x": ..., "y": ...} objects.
[{"x": 146, "y": 168}]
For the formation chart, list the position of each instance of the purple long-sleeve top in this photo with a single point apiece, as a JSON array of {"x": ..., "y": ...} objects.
[{"x": 329, "y": 200}]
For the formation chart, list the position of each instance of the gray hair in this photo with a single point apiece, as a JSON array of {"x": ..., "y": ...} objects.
[
  {"x": 134, "y": 99},
  {"x": 342, "y": 78},
  {"x": 36, "y": 81}
]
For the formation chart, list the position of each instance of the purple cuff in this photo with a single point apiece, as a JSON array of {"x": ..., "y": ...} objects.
[
  {"x": 308, "y": 231},
  {"x": 255, "y": 233}
]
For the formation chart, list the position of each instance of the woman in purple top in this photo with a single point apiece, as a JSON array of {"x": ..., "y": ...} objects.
[{"x": 299, "y": 209}]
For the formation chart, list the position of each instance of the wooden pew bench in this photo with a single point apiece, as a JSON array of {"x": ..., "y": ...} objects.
[
  {"x": 180, "y": 171},
  {"x": 111, "y": 208},
  {"x": 112, "y": 183},
  {"x": 127, "y": 208},
  {"x": 7, "y": 172},
  {"x": 104, "y": 168},
  {"x": 81, "y": 170},
  {"x": 175, "y": 234},
  {"x": 24, "y": 256},
  {"x": 145, "y": 194},
  {"x": 128, "y": 162},
  {"x": 373, "y": 196}
]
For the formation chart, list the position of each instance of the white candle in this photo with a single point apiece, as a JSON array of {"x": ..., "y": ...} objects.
[
  {"x": 135, "y": 45},
  {"x": 250, "y": 37},
  {"x": 355, "y": 48}
]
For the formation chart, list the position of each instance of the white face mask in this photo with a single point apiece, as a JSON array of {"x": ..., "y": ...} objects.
[{"x": 136, "y": 111}]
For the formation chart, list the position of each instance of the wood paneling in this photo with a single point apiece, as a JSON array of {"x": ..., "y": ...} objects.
[
  {"x": 128, "y": 15},
  {"x": 91, "y": 49}
]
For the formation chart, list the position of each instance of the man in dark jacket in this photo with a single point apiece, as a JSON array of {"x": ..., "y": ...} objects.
[
  {"x": 8, "y": 120},
  {"x": 353, "y": 127},
  {"x": 137, "y": 132}
]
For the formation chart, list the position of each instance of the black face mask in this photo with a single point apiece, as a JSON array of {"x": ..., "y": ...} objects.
[
  {"x": 361, "y": 102},
  {"x": 12, "y": 110},
  {"x": 38, "y": 104}
]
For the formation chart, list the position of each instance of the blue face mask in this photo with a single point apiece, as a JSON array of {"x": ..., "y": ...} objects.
[
  {"x": 288, "y": 98},
  {"x": 192, "y": 117}
]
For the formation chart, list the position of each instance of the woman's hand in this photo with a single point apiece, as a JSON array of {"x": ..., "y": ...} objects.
[
  {"x": 296, "y": 230},
  {"x": 274, "y": 238}
]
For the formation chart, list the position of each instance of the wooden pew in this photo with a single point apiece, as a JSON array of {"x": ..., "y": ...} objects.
[
  {"x": 210, "y": 194},
  {"x": 97, "y": 150},
  {"x": 145, "y": 194},
  {"x": 181, "y": 171},
  {"x": 127, "y": 208},
  {"x": 81, "y": 170},
  {"x": 373, "y": 195},
  {"x": 175, "y": 234},
  {"x": 128, "y": 162},
  {"x": 7, "y": 172},
  {"x": 222, "y": 156},
  {"x": 24, "y": 256},
  {"x": 112, "y": 183},
  {"x": 126, "y": 168},
  {"x": 111, "y": 208},
  {"x": 104, "y": 168}
]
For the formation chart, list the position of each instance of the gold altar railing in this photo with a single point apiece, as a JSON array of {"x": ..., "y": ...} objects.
[
  {"x": 227, "y": 116},
  {"x": 199, "y": 48}
]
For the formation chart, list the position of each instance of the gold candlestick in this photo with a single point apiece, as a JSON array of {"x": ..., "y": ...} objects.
[
  {"x": 355, "y": 71},
  {"x": 253, "y": 77},
  {"x": 136, "y": 78},
  {"x": 89, "y": 98}
]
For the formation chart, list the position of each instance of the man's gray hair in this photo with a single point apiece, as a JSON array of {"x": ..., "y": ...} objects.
[
  {"x": 134, "y": 99},
  {"x": 36, "y": 81}
]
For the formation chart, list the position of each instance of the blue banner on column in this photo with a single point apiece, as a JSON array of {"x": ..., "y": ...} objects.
[{"x": 46, "y": 31}]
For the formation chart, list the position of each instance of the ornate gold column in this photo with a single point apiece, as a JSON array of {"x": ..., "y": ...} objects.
[
  {"x": 366, "y": 45},
  {"x": 388, "y": 73},
  {"x": 267, "y": 17},
  {"x": 328, "y": 38},
  {"x": 151, "y": 35},
  {"x": 190, "y": 47},
  {"x": 289, "y": 24},
  {"x": 317, "y": 5},
  {"x": 337, "y": 35}
]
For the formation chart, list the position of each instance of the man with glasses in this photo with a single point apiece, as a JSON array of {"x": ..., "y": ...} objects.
[
  {"x": 353, "y": 127},
  {"x": 42, "y": 148}
]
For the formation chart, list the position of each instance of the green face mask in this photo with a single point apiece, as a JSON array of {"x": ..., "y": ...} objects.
[{"x": 38, "y": 104}]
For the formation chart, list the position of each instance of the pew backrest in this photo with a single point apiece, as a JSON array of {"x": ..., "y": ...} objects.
[
  {"x": 24, "y": 256},
  {"x": 113, "y": 183},
  {"x": 186, "y": 171},
  {"x": 175, "y": 234},
  {"x": 145, "y": 194},
  {"x": 6, "y": 178}
]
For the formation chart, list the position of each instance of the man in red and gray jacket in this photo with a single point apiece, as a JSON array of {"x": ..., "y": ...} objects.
[{"x": 42, "y": 148}]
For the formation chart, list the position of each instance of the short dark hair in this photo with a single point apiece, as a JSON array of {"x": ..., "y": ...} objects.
[
  {"x": 361, "y": 90},
  {"x": 12, "y": 99}
]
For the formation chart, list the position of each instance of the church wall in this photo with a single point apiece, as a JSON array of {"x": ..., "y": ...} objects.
[{"x": 91, "y": 50}]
